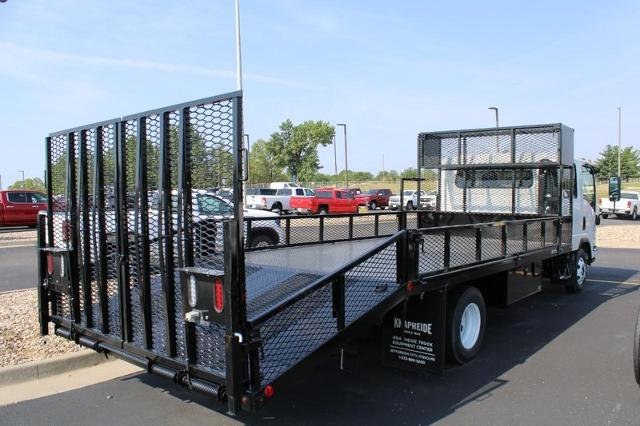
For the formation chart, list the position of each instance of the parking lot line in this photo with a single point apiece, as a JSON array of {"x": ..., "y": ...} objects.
[{"x": 614, "y": 282}]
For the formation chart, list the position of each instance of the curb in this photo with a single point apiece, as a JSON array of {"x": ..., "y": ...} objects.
[
  {"x": 37, "y": 370},
  {"x": 18, "y": 243}
]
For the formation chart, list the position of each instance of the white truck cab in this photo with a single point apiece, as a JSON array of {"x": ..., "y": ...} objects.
[{"x": 585, "y": 209}]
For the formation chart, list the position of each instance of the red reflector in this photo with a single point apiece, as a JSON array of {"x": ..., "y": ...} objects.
[
  {"x": 268, "y": 391},
  {"x": 264, "y": 201},
  {"x": 50, "y": 264},
  {"x": 65, "y": 231},
  {"x": 599, "y": 200},
  {"x": 628, "y": 204},
  {"x": 410, "y": 286},
  {"x": 219, "y": 295}
]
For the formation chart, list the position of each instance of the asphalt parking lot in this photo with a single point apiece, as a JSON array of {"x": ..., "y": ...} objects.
[{"x": 553, "y": 358}]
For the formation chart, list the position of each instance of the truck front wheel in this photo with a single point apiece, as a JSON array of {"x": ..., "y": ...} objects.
[
  {"x": 575, "y": 283},
  {"x": 466, "y": 321}
]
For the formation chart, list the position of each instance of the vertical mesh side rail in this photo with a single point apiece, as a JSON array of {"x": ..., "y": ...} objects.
[
  {"x": 84, "y": 252},
  {"x": 131, "y": 158},
  {"x": 567, "y": 206},
  {"x": 122, "y": 229},
  {"x": 107, "y": 212},
  {"x": 166, "y": 235},
  {"x": 71, "y": 214},
  {"x": 209, "y": 134}
]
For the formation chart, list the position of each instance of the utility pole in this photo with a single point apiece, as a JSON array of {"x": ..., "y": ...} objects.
[
  {"x": 346, "y": 155},
  {"x": 497, "y": 125},
  {"x": 619, "y": 138},
  {"x": 238, "y": 47},
  {"x": 335, "y": 157}
]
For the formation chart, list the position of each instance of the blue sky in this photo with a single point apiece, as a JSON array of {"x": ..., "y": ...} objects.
[{"x": 388, "y": 69}]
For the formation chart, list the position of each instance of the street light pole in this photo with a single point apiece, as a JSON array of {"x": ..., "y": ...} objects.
[
  {"x": 22, "y": 171},
  {"x": 238, "y": 48},
  {"x": 335, "y": 157},
  {"x": 619, "y": 137},
  {"x": 497, "y": 125},
  {"x": 346, "y": 163}
]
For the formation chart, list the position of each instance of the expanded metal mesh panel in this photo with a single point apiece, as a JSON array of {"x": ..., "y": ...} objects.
[
  {"x": 431, "y": 253},
  {"x": 462, "y": 242},
  {"x": 210, "y": 347},
  {"x": 534, "y": 236},
  {"x": 537, "y": 145},
  {"x": 515, "y": 238},
  {"x": 567, "y": 191},
  {"x": 491, "y": 247},
  {"x": 296, "y": 332},
  {"x": 57, "y": 164},
  {"x": 483, "y": 148},
  {"x": 551, "y": 234},
  {"x": 370, "y": 282}
]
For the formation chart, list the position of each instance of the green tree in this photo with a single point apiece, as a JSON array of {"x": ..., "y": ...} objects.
[
  {"x": 262, "y": 164},
  {"x": 355, "y": 176},
  {"x": 35, "y": 184},
  {"x": 295, "y": 147},
  {"x": 409, "y": 172},
  {"x": 607, "y": 163},
  {"x": 388, "y": 176}
]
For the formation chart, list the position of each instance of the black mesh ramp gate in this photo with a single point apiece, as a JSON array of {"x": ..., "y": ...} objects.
[{"x": 130, "y": 206}]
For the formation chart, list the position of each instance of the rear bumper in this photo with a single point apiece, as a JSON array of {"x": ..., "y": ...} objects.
[{"x": 615, "y": 211}]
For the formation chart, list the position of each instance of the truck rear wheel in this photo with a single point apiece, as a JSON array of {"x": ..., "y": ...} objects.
[
  {"x": 634, "y": 215},
  {"x": 466, "y": 321},
  {"x": 604, "y": 215},
  {"x": 372, "y": 205},
  {"x": 277, "y": 208},
  {"x": 575, "y": 283},
  {"x": 636, "y": 351}
]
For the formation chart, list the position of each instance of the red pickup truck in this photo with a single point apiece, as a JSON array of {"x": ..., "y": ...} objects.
[
  {"x": 20, "y": 207},
  {"x": 325, "y": 201},
  {"x": 374, "y": 198}
]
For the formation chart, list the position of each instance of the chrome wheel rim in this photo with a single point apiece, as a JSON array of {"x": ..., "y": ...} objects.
[
  {"x": 470, "y": 326},
  {"x": 581, "y": 271}
]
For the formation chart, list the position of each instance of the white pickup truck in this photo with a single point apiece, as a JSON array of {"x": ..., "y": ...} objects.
[
  {"x": 278, "y": 203},
  {"x": 627, "y": 206}
]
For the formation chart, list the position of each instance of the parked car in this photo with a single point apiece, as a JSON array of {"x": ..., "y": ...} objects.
[
  {"x": 280, "y": 185},
  {"x": 353, "y": 191},
  {"x": 395, "y": 200},
  {"x": 374, "y": 198},
  {"x": 627, "y": 206},
  {"x": 428, "y": 200},
  {"x": 21, "y": 207},
  {"x": 278, "y": 202},
  {"x": 325, "y": 201}
]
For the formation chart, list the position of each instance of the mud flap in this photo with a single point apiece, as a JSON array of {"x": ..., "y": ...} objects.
[{"x": 413, "y": 336}]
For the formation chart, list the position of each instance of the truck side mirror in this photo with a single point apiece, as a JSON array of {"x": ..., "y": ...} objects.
[{"x": 614, "y": 188}]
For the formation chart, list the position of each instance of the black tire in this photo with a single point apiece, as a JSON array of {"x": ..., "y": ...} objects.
[
  {"x": 262, "y": 240},
  {"x": 277, "y": 208},
  {"x": 636, "y": 350},
  {"x": 323, "y": 210},
  {"x": 604, "y": 215},
  {"x": 634, "y": 215},
  {"x": 372, "y": 205},
  {"x": 461, "y": 347},
  {"x": 410, "y": 205},
  {"x": 575, "y": 284}
]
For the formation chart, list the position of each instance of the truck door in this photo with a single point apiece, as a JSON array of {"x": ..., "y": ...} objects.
[
  {"x": 584, "y": 206},
  {"x": 18, "y": 209}
]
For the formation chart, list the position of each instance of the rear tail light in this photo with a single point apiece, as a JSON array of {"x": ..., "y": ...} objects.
[
  {"x": 264, "y": 201},
  {"x": 599, "y": 201},
  {"x": 65, "y": 231},
  {"x": 49, "y": 264},
  {"x": 628, "y": 204},
  {"x": 218, "y": 291},
  {"x": 269, "y": 391}
]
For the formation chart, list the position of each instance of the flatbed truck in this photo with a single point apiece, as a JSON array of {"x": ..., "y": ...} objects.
[{"x": 230, "y": 319}]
